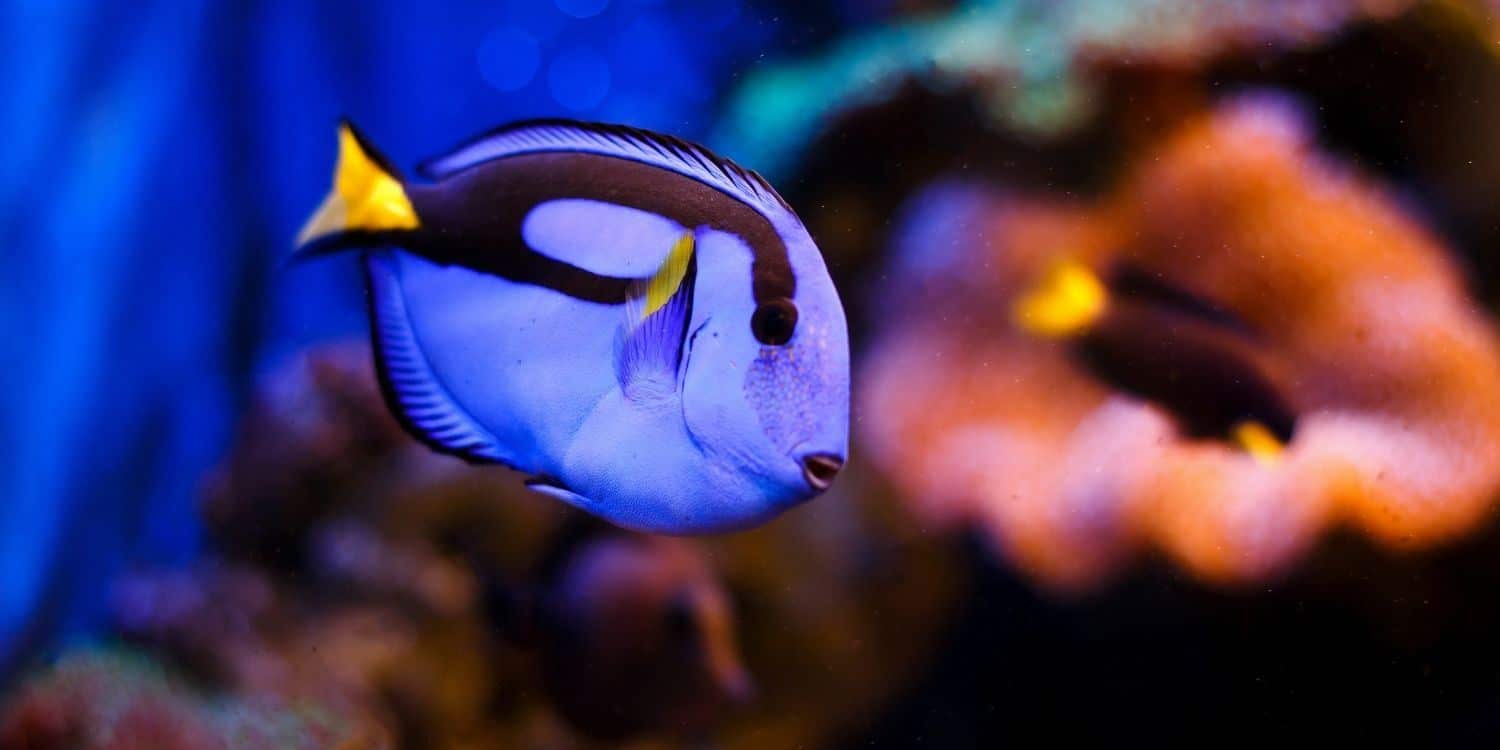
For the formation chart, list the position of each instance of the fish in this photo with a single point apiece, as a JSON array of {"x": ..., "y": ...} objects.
[
  {"x": 634, "y": 635},
  {"x": 1163, "y": 344},
  {"x": 644, "y": 328}
]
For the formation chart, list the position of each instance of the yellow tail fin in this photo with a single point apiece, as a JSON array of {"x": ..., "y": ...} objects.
[{"x": 366, "y": 196}]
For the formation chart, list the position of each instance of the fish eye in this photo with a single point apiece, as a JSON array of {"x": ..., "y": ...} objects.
[{"x": 774, "y": 321}]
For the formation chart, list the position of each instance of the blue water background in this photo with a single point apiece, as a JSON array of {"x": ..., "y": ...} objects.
[{"x": 156, "y": 158}]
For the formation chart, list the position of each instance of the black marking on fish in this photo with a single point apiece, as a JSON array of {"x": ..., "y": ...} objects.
[
  {"x": 374, "y": 154},
  {"x": 668, "y": 146},
  {"x": 641, "y": 349},
  {"x": 1132, "y": 281},
  {"x": 687, "y": 288},
  {"x": 1208, "y": 379},
  {"x": 477, "y": 209},
  {"x": 348, "y": 239}
]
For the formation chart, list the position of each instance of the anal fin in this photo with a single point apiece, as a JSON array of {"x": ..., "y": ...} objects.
[{"x": 555, "y": 490}]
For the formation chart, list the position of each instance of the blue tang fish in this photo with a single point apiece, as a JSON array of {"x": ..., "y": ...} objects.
[{"x": 645, "y": 328}]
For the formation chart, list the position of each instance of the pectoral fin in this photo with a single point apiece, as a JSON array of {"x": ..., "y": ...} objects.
[
  {"x": 657, "y": 314},
  {"x": 551, "y": 488}
]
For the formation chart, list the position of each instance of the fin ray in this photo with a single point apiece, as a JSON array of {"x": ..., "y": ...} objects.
[
  {"x": 554, "y": 490},
  {"x": 622, "y": 141},
  {"x": 412, "y": 391},
  {"x": 657, "y": 313}
]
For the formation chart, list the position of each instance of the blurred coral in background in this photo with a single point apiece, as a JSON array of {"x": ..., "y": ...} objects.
[
  {"x": 1296, "y": 270},
  {"x": 126, "y": 703},
  {"x": 1035, "y": 64},
  {"x": 357, "y": 574},
  {"x": 1259, "y": 287}
]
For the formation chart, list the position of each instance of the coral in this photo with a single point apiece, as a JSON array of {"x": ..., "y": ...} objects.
[
  {"x": 357, "y": 572},
  {"x": 1249, "y": 275},
  {"x": 1033, "y": 61},
  {"x": 316, "y": 441},
  {"x": 106, "y": 701}
]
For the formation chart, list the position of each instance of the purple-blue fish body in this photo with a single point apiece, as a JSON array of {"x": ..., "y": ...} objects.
[{"x": 645, "y": 328}]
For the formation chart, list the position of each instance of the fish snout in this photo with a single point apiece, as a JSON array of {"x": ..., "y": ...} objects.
[{"x": 819, "y": 469}]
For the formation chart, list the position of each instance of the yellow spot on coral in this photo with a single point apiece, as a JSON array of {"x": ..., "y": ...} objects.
[
  {"x": 669, "y": 277},
  {"x": 1065, "y": 302},
  {"x": 1255, "y": 439}
]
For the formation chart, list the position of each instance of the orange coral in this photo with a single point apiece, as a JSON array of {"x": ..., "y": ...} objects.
[{"x": 1339, "y": 300}]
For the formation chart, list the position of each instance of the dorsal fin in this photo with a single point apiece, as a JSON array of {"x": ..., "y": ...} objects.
[{"x": 621, "y": 141}]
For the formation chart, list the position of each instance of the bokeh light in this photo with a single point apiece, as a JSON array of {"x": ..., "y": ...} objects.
[
  {"x": 539, "y": 17},
  {"x": 509, "y": 58},
  {"x": 579, "y": 79}
]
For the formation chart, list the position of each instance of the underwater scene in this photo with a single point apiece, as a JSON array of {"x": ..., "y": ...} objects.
[{"x": 574, "y": 374}]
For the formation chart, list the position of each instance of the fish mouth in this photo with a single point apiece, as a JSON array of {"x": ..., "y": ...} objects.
[{"x": 819, "y": 469}]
